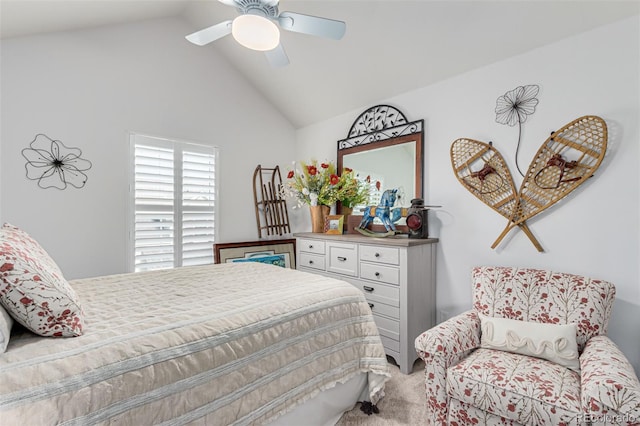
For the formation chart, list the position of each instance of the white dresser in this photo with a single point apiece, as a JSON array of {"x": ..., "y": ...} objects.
[{"x": 396, "y": 274}]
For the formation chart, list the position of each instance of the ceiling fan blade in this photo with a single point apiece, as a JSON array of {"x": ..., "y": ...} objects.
[
  {"x": 210, "y": 34},
  {"x": 277, "y": 57},
  {"x": 307, "y": 24}
]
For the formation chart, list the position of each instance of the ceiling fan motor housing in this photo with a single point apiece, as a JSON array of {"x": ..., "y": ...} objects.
[{"x": 257, "y": 7}]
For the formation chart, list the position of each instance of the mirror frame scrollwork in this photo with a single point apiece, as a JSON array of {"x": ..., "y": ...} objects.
[{"x": 382, "y": 126}]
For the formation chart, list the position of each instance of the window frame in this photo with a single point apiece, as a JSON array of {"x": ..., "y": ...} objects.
[{"x": 168, "y": 143}]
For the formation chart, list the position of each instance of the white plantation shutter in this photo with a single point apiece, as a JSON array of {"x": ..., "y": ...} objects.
[
  {"x": 154, "y": 207},
  {"x": 198, "y": 201},
  {"x": 174, "y": 199}
]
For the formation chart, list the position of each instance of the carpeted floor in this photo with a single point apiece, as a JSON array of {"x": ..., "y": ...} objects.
[{"x": 404, "y": 402}]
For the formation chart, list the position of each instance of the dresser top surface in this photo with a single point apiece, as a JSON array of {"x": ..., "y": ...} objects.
[{"x": 398, "y": 240}]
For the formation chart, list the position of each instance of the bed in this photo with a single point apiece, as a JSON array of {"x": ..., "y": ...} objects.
[{"x": 234, "y": 343}]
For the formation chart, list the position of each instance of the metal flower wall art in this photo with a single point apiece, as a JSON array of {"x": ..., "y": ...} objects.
[
  {"x": 55, "y": 165},
  {"x": 513, "y": 108}
]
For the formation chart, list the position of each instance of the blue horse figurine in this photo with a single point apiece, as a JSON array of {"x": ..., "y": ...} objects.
[{"x": 382, "y": 211}]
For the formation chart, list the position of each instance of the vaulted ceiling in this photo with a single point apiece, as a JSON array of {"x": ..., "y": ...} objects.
[{"x": 390, "y": 46}]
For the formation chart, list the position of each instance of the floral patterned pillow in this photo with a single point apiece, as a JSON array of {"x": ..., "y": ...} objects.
[{"x": 32, "y": 288}]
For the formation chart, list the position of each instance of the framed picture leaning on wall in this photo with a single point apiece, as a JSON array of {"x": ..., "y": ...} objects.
[{"x": 275, "y": 252}]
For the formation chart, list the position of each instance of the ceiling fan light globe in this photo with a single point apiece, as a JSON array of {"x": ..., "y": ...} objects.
[{"x": 255, "y": 32}]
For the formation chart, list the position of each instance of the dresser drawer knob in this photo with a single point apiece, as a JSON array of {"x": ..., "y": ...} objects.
[
  {"x": 377, "y": 255},
  {"x": 367, "y": 288},
  {"x": 311, "y": 262},
  {"x": 310, "y": 246},
  {"x": 371, "y": 305},
  {"x": 377, "y": 274},
  {"x": 342, "y": 258}
]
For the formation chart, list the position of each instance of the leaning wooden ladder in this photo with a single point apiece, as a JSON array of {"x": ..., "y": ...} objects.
[{"x": 272, "y": 216}]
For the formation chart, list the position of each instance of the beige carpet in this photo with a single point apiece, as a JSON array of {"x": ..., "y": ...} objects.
[{"x": 404, "y": 402}]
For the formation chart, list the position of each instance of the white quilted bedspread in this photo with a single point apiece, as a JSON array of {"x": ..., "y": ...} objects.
[{"x": 216, "y": 345}]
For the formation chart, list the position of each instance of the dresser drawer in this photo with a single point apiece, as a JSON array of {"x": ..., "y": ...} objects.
[
  {"x": 392, "y": 312},
  {"x": 391, "y": 344},
  {"x": 380, "y": 293},
  {"x": 387, "y": 327},
  {"x": 314, "y": 261},
  {"x": 388, "y": 255},
  {"x": 376, "y": 272},
  {"x": 311, "y": 246},
  {"x": 342, "y": 258}
]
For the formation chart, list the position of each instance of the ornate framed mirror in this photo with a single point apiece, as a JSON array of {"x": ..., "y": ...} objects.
[{"x": 387, "y": 149}]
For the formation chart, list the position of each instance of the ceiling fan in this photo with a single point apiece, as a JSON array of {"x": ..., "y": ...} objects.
[{"x": 256, "y": 28}]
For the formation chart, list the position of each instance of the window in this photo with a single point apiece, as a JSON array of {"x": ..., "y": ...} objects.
[{"x": 174, "y": 203}]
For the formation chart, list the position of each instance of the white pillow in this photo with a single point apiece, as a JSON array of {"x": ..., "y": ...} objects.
[
  {"x": 554, "y": 342},
  {"x": 5, "y": 329}
]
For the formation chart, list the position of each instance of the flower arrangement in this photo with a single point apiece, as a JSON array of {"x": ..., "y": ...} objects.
[
  {"x": 353, "y": 192},
  {"x": 316, "y": 184},
  {"x": 313, "y": 184}
]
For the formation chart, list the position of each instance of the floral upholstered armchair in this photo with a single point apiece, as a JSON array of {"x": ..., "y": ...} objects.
[{"x": 532, "y": 351}]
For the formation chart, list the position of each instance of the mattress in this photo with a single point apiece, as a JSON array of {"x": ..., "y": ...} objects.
[{"x": 235, "y": 343}]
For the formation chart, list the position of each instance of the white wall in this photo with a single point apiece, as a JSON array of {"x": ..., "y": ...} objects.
[
  {"x": 595, "y": 230},
  {"x": 89, "y": 89}
]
